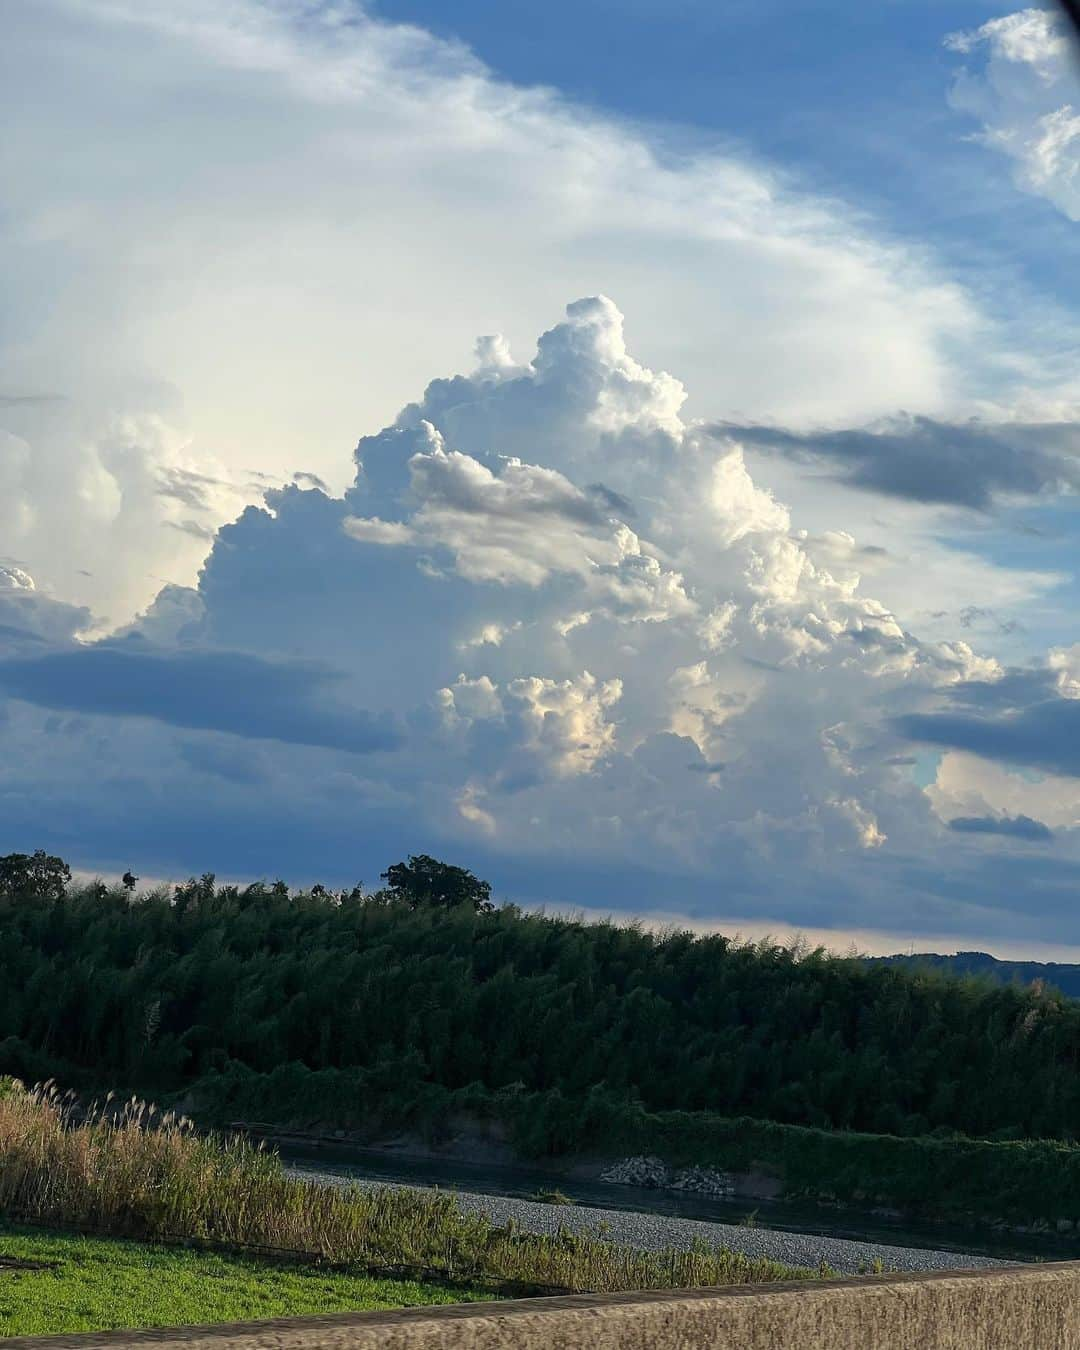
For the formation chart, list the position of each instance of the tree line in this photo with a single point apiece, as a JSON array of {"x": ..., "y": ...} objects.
[{"x": 426, "y": 982}]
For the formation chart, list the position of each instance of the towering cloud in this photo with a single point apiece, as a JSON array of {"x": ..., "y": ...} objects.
[
  {"x": 551, "y": 627},
  {"x": 285, "y": 215}
]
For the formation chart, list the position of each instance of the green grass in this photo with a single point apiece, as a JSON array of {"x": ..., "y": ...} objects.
[
  {"x": 553, "y": 1197},
  {"x": 104, "y": 1284}
]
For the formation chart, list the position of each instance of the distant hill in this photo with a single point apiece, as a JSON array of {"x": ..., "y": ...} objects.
[{"x": 1060, "y": 976}]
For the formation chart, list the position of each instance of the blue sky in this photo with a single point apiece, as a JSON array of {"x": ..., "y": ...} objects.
[
  {"x": 630, "y": 450},
  {"x": 847, "y": 97}
]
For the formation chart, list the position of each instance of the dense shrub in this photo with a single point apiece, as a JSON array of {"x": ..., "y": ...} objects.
[
  {"x": 412, "y": 1002},
  {"x": 1023, "y": 1181}
]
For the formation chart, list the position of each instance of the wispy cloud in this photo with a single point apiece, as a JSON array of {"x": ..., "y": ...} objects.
[
  {"x": 1009, "y": 827},
  {"x": 971, "y": 464},
  {"x": 234, "y": 692}
]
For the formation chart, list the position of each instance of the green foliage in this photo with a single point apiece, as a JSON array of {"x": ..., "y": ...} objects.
[
  {"x": 21, "y": 1061},
  {"x": 1059, "y": 975},
  {"x": 392, "y": 1004},
  {"x": 33, "y": 876},
  {"x": 553, "y": 1197},
  {"x": 425, "y": 881},
  {"x": 863, "y": 1082},
  {"x": 1024, "y": 1181}
]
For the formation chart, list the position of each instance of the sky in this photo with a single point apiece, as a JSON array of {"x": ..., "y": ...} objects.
[{"x": 630, "y": 450}]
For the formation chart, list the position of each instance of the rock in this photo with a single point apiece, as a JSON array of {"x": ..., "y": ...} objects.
[
  {"x": 654, "y": 1174},
  {"x": 649, "y": 1172},
  {"x": 703, "y": 1181},
  {"x": 1065, "y": 1225}
]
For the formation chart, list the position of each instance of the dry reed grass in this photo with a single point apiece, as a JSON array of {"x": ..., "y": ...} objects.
[{"x": 127, "y": 1170}]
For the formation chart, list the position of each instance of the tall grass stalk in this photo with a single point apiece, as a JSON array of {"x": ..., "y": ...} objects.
[{"x": 128, "y": 1171}]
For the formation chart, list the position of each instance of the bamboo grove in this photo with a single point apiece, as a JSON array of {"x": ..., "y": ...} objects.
[{"x": 376, "y": 999}]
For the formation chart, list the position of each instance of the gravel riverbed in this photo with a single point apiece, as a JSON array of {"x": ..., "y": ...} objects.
[{"x": 652, "y": 1232}]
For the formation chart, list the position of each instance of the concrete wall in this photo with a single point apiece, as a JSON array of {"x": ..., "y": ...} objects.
[{"x": 1017, "y": 1308}]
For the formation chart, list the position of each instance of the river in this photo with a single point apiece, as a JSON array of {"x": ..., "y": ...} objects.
[{"x": 343, "y": 1162}]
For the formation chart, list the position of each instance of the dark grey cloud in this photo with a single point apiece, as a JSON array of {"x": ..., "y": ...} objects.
[
  {"x": 31, "y": 616},
  {"x": 1019, "y": 719},
  {"x": 1017, "y": 689},
  {"x": 1012, "y": 827},
  {"x": 920, "y": 459},
  {"x": 523, "y": 493},
  {"x": 195, "y": 490},
  {"x": 29, "y": 400},
  {"x": 12, "y": 633},
  {"x": 874, "y": 635},
  {"x": 223, "y": 759},
  {"x": 611, "y": 500},
  {"x": 977, "y": 616},
  {"x": 193, "y": 528},
  {"x": 303, "y": 478},
  {"x": 233, "y": 692}
]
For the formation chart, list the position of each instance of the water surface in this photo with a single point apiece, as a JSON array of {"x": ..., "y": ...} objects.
[{"x": 341, "y": 1160}]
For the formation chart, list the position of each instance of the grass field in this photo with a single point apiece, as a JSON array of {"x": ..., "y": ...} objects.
[{"x": 101, "y": 1284}]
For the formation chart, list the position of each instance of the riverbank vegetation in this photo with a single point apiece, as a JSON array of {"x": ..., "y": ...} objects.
[
  {"x": 1025, "y": 1181},
  {"x": 102, "y": 987},
  {"x": 127, "y": 1172},
  {"x": 422, "y": 1002}
]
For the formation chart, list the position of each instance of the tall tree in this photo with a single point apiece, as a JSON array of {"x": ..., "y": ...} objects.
[
  {"x": 38, "y": 875},
  {"x": 424, "y": 880}
]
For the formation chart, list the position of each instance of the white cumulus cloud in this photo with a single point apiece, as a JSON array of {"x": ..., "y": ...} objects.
[
  {"x": 1020, "y": 84},
  {"x": 268, "y": 222},
  {"x": 607, "y": 649}
]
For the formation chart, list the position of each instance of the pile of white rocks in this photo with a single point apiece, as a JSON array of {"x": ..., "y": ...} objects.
[
  {"x": 704, "y": 1180},
  {"x": 650, "y": 1172},
  {"x": 654, "y": 1174}
]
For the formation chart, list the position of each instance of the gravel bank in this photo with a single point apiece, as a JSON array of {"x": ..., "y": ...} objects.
[{"x": 652, "y": 1232}]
